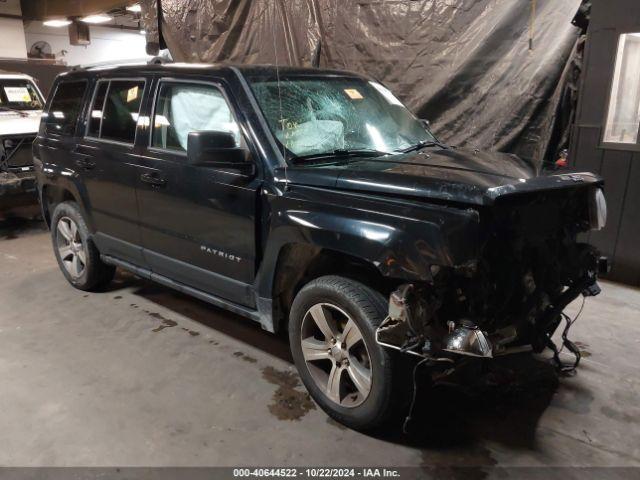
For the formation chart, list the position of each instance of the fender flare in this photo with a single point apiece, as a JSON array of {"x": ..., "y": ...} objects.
[{"x": 64, "y": 184}]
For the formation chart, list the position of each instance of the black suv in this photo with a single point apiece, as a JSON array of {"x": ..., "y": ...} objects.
[{"x": 313, "y": 201}]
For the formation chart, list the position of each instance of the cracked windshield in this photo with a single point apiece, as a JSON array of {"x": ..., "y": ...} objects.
[{"x": 314, "y": 117}]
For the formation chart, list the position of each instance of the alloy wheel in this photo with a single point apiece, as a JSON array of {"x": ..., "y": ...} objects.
[
  {"x": 336, "y": 355},
  {"x": 71, "y": 249}
]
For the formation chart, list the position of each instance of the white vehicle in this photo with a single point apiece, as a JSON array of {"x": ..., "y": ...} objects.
[{"x": 21, "y": 104}]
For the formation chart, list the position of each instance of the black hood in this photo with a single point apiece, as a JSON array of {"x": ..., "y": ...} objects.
[{"x": 455, "y": 175}]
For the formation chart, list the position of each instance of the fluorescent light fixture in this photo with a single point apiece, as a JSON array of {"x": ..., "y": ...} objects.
[
  {"x": 96, "y": 19},
  {"x": 136, "y": 8},
  {"x": 60, "y": 22}
]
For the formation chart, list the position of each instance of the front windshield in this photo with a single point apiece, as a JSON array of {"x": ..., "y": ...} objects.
[
  {"x": 316, "y": 115},
  {"x": 19, "y": 95}
]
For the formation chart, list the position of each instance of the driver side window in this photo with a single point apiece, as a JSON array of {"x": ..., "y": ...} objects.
[{"x": 182, "y": 108}]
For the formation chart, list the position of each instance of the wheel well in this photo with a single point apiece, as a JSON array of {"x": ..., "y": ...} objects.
[
  {"x": 51, "y": 197},
  {"x": 298, "y": 264}
]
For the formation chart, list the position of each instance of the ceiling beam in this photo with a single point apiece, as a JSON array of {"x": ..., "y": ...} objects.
[{"x": 43, "y": 9}]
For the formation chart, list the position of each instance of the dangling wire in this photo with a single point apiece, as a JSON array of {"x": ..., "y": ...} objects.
[
  {"x": 566, "y": 369},
  {"x": 275, "y": 51},
  {"x": 409, "y": 417}
]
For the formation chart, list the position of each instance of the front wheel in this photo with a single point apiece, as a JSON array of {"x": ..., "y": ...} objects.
[{"x": 332, "y": 335}]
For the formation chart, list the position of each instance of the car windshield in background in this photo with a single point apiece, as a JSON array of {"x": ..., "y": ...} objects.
[
  {"x": 313, "y": 116},
  {"x": 19, "y": 95}
]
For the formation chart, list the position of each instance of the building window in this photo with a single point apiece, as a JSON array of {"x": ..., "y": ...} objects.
[{"x": 623, "y": 116}]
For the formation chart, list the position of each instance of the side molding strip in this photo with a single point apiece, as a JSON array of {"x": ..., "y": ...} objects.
[{"x": 199, "y": 294}]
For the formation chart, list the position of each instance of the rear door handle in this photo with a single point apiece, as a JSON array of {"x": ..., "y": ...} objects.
[
  {"x": 85, "y": 163},
  {"x": 153, "y": 179}
]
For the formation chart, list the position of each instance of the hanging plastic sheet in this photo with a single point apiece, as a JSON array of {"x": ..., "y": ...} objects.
[{"x": 486, "y": 73}]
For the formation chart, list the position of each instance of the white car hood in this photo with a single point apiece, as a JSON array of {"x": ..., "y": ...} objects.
[{"x": 12, "y": 123}]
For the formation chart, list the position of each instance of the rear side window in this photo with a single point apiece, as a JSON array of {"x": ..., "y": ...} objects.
[
  {"x": 115, "y": 110},
  {"x": 65, "y": 106}
]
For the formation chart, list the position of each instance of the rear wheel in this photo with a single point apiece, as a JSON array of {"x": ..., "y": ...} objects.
[
  {"x": 332, "y": 335},
  {"x": 77, "y": 256}
]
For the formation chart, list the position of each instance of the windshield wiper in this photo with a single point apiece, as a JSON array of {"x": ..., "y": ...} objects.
[
  {"x": 423, "y": 144},
  {"x": 340, "y": 153},
  {"x": 8, "y": 109}
]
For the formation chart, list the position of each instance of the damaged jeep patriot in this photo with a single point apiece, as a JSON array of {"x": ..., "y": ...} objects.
[{"x": 314, "y": 202}]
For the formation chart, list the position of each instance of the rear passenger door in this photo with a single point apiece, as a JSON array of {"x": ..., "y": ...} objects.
[
  {"x": 197, "y": 223},
  {"x": 55, "y": 144},
  {"x": 107, "y": 165}
]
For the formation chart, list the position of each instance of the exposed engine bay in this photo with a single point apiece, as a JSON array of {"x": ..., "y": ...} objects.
[
  {"x": 512, "y": 297},
  {"x": 16, "y": 165},
  {"x": 15, "y": 153}
]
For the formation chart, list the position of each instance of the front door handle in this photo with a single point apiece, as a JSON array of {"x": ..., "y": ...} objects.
[{"x": 153, "y": 179}]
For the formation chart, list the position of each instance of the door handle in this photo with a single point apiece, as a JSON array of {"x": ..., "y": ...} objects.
[
  {"x": 153, "y": 180},
  {"x": 85, "y": 163}
]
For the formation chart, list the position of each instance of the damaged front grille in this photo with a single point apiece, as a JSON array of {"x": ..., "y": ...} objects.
[
  {"x": 529, "y": 256},
  {"x": 529, "y": 269}
]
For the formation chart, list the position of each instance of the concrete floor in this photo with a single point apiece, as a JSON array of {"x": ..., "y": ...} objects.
[{"x": 141, "y": 375}]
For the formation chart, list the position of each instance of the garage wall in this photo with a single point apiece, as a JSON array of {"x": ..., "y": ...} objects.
[
  {"x": 44, "y": 73},
  {"x": 13, "y": 44},
  {"x": 619, "y": 165},
  {"x": 107, "y": 44}
]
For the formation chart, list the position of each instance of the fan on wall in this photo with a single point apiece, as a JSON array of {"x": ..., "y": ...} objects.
[{"x": 41, "y": 49}]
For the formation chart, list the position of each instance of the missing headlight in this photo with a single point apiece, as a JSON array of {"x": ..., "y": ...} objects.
[{"x": 597, "y": 210}]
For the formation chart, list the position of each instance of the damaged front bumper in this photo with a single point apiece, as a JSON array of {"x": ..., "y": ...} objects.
[
  {"x": 409, "y": 327},
  {"x": 398, "y": 331}
]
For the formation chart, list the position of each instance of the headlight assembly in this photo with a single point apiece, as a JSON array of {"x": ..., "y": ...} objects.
[{"x": 597, "y": 210}]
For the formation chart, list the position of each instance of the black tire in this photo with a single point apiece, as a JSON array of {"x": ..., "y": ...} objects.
[
  {"x": 95, "y": 274},
  {"x": 367, "y": 308}
]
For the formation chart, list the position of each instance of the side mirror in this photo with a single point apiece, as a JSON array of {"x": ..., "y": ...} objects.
[{"x": 218, "y": 149}]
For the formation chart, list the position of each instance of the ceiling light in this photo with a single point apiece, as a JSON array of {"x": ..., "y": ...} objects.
[
  {"x": 136, "y": 8},
  {"x": 97, "y": 19},
  {"x": 61, "y": 22}
]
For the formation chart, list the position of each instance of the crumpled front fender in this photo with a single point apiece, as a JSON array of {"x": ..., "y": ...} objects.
[{"x": 401, "y": 241}]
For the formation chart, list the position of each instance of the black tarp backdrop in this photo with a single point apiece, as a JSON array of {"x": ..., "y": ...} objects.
[{"x": 486, "y": 73}]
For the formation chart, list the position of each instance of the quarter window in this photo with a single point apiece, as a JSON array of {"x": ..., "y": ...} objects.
[
  {"x": 66, "y": 104},
  {"x": 623, "y": 116},
  {"x": 183, "y": 108}
]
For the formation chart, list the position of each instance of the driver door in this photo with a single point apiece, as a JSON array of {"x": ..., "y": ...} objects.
[{"x": 197, "y": 223}]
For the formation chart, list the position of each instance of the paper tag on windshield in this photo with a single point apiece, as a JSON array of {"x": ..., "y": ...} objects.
[
  {"x": 17, "y": 94},
  {"x": 353, "y": 94}
]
